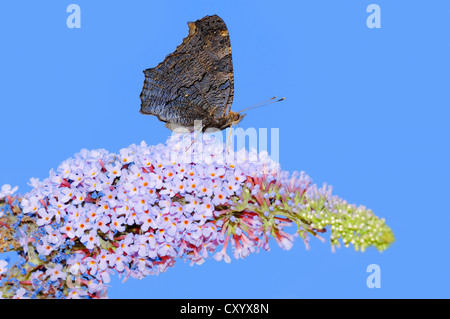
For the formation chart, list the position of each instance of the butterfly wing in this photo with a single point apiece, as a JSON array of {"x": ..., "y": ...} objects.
[{"x": 196, "y": 81}]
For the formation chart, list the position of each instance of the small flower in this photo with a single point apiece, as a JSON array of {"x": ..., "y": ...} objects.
[
  {"x": 103, "y": 224},
  {"x": 34, "y": 182},
  {"x": 147, "y": 222},
  {"x": 30, "y": 205},
  {"x": 93, "y": 171},
  {"x": 55, "y": 203},
  {"x": 192, "y": 184},
  {"x": 118, "y": 261},
  {"x": 102, "y": 259},
  {"x": 222, "y": 254},
  {"x": 3, "y": 268},
  {"x": 231, "y": 187},
  {"x": 169, "y": 174},
  {"x": 93, "y": 185},
  {"x": 90, "y": 240},
  {"x": 91, "y": 264},
  {"x": 81, "y": 227},
  {"x": 78, "y": 198},
  {"x": 54, "y": 236},
  {"x": 239, "y": 176},
  {"x": 167, "y": 250},
  {"x": 56, "y": 273},
  {"x": 68, "y": 229},
  {"x": 76, "y": 293},
  {"x": 45, "y": 218},
  {"x": 145, "y": 160},
  {"x": 220, "y": 198},
  {"x": 109, "y": 196},
  {"x": 76, "y": 267},
  {"x": 142, "y": 247},
  {"x": 7, "y": 190},
  {"x": 207, "y": 207},
  {"x": 140, "y": 204},
  {"x": 45, "y": 249},
  {"x": 191, "y": 172},
  {"x": 114, "y": 170},
  {"x": 131, "y": 189},
  {"x": 124, "y": 244},
  {"x": 205, "y": 189},
  {"x": 179, "y": 186},
  {"x": 124, "y": 209},
  {"x": 193, "y": 203},
  {"x": 185, "y": 223},
  {"x": 67, "y": 195},
  {"x": 76, "y": 178},
  {"x": 21, "y": 293},
  {"x": 215, "y": 172},
  {"x": 132, "y": 217},
  {"x": 126, "y": 156},
  {"x": 117, "y": 224},
  {"x": 180, "y": 170}
]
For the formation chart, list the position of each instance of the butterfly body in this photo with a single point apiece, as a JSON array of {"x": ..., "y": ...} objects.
[{"x": 195, "y": 82}]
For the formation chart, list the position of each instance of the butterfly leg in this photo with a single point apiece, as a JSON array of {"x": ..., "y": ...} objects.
[
  {"x": 199, "y": 132},
  {"x": 229, "y": 136}
]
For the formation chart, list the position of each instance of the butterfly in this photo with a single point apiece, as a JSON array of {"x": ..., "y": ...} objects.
[{"x": 195, "y": 82}]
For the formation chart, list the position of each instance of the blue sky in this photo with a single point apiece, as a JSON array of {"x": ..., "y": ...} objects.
[{"x": 366, "y": 111}]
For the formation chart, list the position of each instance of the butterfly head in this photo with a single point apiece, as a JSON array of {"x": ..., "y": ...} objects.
[
  {"x": 231, "y": 119},
  {"x": 223, "y": 122}
]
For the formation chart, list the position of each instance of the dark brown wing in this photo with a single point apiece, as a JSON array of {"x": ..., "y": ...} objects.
[{"x": 194, "y": 82}]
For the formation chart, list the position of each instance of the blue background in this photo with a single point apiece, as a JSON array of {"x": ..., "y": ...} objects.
[{"x": 366, "y": 111}]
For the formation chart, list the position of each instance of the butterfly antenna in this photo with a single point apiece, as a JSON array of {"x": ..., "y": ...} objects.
[{"x": 264, "y": 103}]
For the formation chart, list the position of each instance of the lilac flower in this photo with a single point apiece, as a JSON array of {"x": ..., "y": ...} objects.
[
  {"x": 102, "y": 224},
  {"x": 102, "y": 259},
  {"x": 90, "y": 240},
  {"x": 77, "y": 293},
  {"x": 91, "y": 264},
  {"x": 3, "y": 266},
  {"x": 56, "y": 273},
  {"x": 34, "y": 182},
  {"x": 118, "y": 261},
  {"x": 81, "y": 227},
  {"x": 68, "y": 229},
  {"x": 136, "y": 212},
  {"x": 6, "y": 190},
  {"x": 45, "y": 248},
  {"x": 53, "y": 236},
  {"x": 44, "y": 217},
  {"x": 118, "y": 223},
  {"x": 21, "y": 294}
]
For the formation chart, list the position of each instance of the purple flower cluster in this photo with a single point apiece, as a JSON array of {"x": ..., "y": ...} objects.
[{"x": 134, "y": 212}]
